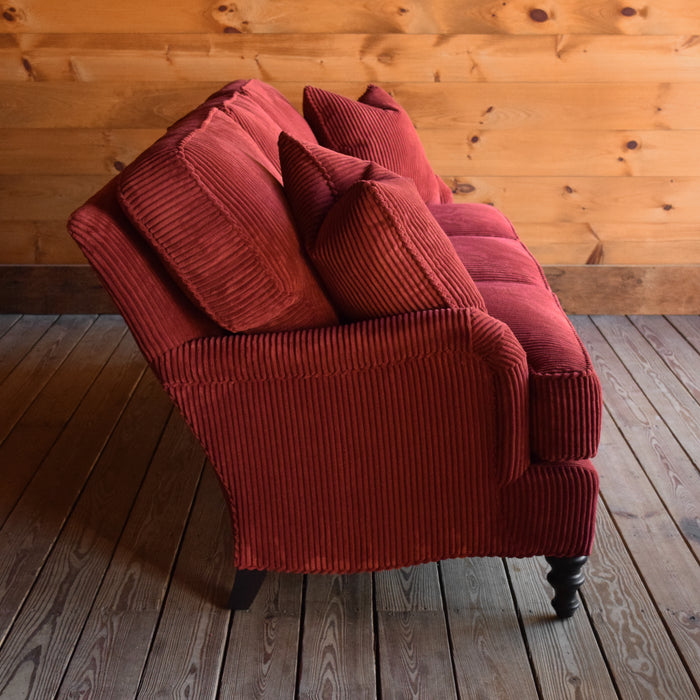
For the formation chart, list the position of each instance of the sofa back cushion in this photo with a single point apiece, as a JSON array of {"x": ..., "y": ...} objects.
[
  {"x": 263, "y": 112},
  {"x": 210, "y": 203},
  {"x": 374, "y": 128},
  {"x": 370, "y": 237}
]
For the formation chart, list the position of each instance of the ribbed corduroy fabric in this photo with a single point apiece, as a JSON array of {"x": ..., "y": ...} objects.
[
  {"x": 368, "y": 446},
  {"x": 551, "y": 509},
  {"x": 314, "y": 177},
  {"x": 373, "y": 444},
  {"x": 210, "y": 204},
  {"x": 263, "y": 112},
  {"x": 379, "y": 252},
  {"x": 565, "y": 395},
  {"x": 375, "y": 128},
  {"x": 159, "y": 315},
  {"x": 472, "y": 219}
]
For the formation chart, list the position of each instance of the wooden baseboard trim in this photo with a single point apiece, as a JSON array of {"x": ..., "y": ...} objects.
[
  {"x": 52, "y": 289},
  {"x": 626, "y": 289},
  {"x": 582, "y": 289}
]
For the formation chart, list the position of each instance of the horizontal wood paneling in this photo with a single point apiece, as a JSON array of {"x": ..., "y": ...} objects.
[
  {"x": 580, "y": 121},
  {"x": 356, "y": 16},
  {"x": 373, "y": 56}
]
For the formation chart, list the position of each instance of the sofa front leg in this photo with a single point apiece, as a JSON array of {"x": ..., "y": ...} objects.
[
  {"x": 566, "y": 578},
  {"x": 245, "y": 588}
]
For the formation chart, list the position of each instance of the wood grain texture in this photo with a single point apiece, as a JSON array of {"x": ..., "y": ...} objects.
[
  {"x": 415, "y": 658},
  {"x": 110, "y": 655},
  {"x": 671, "y": 474},
  {"x": 566, "y": 661},
  {"x": 61, "y": 599},
  {"x": 67, "y": 289},
  {"x": 484, "y": 630},
  {"x": 638, "y": 650},
  {"x": 38, "y": 242},
  {"x": 581, "y": 288},
  {"x": 337, "y": 659},
  {"x": 22, "y": 452},
  {"x": 678, "y": 354},
  {"x": 71, "y": 564},
  {"x": 663, "y": 389},
  {"x": 25, "y": 382},
  {"x": 558, "y": 153},
  {"x": 635, "y": 289},
  {"x": 30, "y": 529},
  {"x": 19, "y": 338},
  {"x": 689, "y": 327},
  {"x": 559, "y": 114},
  {"x": 188, "y": 665},
  {"x": 373, "y": 56},
  {"x": 652, "y": 537},
  {"x": 413, "y": 16},
  {"x": 261, "y": 659}
]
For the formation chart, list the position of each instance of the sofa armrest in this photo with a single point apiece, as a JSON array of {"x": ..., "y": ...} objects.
[
  {"x": 457, "y": 379},
  {"x": 404, "y": 427}
]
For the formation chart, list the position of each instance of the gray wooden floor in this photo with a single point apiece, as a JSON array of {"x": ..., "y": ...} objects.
[{"x": 114, "y": 543}]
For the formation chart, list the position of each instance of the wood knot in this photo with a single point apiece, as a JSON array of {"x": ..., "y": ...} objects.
[
  {"x": 474, "y": 139},
  {"x": 538, "y": 15},
  {"x": 668, "y": 207},
  {"x": 10, "y": 14},
  {"x": 463, "y": 188},
  {"x": 632, "y": 145},
  {"x": 628, "y": 11}
]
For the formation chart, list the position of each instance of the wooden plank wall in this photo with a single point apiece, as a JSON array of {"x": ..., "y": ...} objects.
[{"x": 580, "y": 120}]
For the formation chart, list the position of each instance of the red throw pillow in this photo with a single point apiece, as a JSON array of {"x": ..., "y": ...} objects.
[
  {"x": 374, "y": 128},
  {"x": 372, "y": 240},
  {"x": 378, "y": 254},
  {"x": 210, "y": 204}
]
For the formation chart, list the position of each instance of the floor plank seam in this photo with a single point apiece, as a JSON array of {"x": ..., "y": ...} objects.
[
  {"x": 450, "y": 641},
  {"x": 523, "y": 633}
]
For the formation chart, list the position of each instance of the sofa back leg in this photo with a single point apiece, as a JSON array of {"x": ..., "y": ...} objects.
[
  {"x": 566, "y": 578},
  {"x": 245, "y": 588}
]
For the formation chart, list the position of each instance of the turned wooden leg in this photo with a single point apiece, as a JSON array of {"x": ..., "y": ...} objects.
[
  {"x": 245, "y": 588},
  {"x": 566, "y": 578}
]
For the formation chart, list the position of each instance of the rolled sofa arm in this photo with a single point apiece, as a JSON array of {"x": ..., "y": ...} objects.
[{"x": 427, "y": 407}]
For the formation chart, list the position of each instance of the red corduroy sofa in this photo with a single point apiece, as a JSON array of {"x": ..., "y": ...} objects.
[{"x": 380, "y": 376}]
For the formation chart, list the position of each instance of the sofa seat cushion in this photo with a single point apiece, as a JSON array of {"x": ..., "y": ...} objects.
[
  {"x": 565, "y": 394},
  {"x": 374, "y": 128},
  {"x": 210, "y": 203},
  {"x": 263, "y": 112},
  {"x": 498, "y": 260},
  {"x": 370, "y": 237},
  {"x": 472, "y": 219}
]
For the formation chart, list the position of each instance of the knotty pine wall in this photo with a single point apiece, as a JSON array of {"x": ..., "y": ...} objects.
[{"x": 579, "y": 120}]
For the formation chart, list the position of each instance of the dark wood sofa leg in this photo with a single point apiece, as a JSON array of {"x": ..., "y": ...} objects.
[
  {"x": 566, "y": 578},
  {"x": 245, "y": 587}
]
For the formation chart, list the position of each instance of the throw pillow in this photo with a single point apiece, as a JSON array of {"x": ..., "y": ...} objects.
[
  {"x": 374, "y": 128},
  {"x": 374, "y": 243}
]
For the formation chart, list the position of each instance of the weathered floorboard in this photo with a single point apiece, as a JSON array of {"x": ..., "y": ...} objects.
[{"x": 188, "y": 665}]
